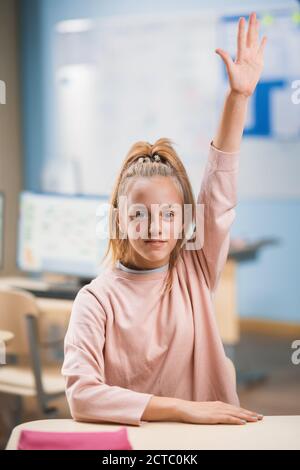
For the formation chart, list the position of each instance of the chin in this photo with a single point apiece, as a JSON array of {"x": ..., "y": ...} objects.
[{"x": 154, "y": 256}]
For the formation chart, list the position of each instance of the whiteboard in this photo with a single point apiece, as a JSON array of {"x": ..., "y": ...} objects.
[{"x": 127, "y": 78}]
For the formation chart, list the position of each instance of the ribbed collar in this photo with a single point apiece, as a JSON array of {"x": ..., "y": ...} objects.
[{"x": 139, "y": 274}]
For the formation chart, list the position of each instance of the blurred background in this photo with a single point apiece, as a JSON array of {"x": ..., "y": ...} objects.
[{"x": 80, "y": 82}]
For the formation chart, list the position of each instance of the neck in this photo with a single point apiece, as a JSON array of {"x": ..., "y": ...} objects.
[
  {"x": 143, "y": 264},
  {"x": 131, "y": 265}
]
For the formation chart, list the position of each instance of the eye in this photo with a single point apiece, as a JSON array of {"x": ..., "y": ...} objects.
[
  {"x": 168, "y": 215},
  {"x": 138, "y": 214}
]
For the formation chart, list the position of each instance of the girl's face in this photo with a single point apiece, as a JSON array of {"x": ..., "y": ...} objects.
[{"x": 152, "y": 210}]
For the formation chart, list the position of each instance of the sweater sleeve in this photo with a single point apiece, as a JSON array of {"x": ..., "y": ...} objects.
[
  {"x": 89, "y": 397},
  {"x": 218, "y": 196}
]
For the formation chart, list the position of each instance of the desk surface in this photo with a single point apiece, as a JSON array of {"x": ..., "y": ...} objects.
[
  {"x": 273, "y": 432},
  {"x": 50, "y": 306}
]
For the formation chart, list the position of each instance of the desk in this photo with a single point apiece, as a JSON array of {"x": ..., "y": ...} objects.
[
  {"x": 53, "y": 311},
  {"x": 273, "y": 432},
  {"x": 53, "y": 307}
]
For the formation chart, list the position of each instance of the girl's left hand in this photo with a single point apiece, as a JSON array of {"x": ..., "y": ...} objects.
[{"x": 245, "y": 71}]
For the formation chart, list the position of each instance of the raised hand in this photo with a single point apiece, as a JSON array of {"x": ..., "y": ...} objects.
[{"x": 245, "y": 71}]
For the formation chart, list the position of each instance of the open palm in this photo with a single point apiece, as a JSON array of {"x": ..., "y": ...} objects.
[{"x": 245, "y": 71}]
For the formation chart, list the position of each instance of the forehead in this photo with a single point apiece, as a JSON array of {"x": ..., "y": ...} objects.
[{"x": 154, "y": 190}]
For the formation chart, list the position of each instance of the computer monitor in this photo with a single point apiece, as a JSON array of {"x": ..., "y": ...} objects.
[
  {"x": 57, "y": 234},
  {"x": 1, "y": 228}
]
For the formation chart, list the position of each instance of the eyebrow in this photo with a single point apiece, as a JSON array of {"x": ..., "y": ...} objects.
[
  {"x": 163, "y": 204},
  {"x": 140, "y": 205}
]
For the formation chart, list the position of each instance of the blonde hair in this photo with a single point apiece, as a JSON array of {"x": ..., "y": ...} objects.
[{"x": 170, "y": 165}]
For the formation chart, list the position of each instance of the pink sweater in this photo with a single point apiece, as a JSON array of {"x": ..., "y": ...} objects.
[{"x": 124, "y": 345}]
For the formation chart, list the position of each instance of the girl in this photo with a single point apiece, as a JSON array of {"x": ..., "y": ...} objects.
[{"x": 142, "y": 343}]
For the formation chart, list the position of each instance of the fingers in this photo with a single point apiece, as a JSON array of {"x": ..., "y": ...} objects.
[
  {"x": 244, "y": 410},
  {"x": 235, "y": 417},
  {"x": 256, "y": 33},
  {"x": 252, "y": 30},
  {"x": 229, "y": 419},
  {"x": 246, "y": 417},
  {"x": 261, "y": 48},
  {"x": 238, "y": 410},
  {"x": 238, "y": 417},
  {"x": 251, "y": 38},
  {"x": 249, "y": 413},
  {"x": 241, "y": 38},
  {"x": 225, "y": 57}
]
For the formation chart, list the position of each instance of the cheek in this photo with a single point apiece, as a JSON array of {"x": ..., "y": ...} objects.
[
  {"x": 137, "y": 229},
  {"x": 173, "y": 229},
  {"x": 177, "y": 227}
]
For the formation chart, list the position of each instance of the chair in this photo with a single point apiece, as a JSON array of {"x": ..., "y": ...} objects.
[{"x": 27, "y": 377}]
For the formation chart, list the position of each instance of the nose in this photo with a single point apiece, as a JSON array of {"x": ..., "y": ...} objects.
[{"x": 154, "y": 225}]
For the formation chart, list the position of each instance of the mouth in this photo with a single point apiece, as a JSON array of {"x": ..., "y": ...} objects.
[{"x": 155, "y": 242}]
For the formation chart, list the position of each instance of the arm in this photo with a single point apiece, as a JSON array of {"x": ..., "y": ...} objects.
[
  {"x": 205, "y": 412},
  {"x": 243, "y": 75},
  {"x": 89, "y": 397},
  {"x": 230, "y": 131},
  {"x": 218, "y": 197},
  {"x": 218, "y": 193}
]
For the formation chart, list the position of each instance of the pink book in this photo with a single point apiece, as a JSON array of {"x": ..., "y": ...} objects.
[{"x": 42, "y": 440}]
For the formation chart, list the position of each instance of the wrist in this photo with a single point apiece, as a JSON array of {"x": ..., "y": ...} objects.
[
  {"x": 178, "y": 409},
  {"x": 162, "y": 409},
  {"x": 237, "y": 95}
]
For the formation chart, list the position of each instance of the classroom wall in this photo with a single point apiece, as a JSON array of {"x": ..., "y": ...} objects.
[
  {"x": 269, "y": 287},
  {"x": 10, "y": 139},
  {"x": 275, "y": 296}
]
